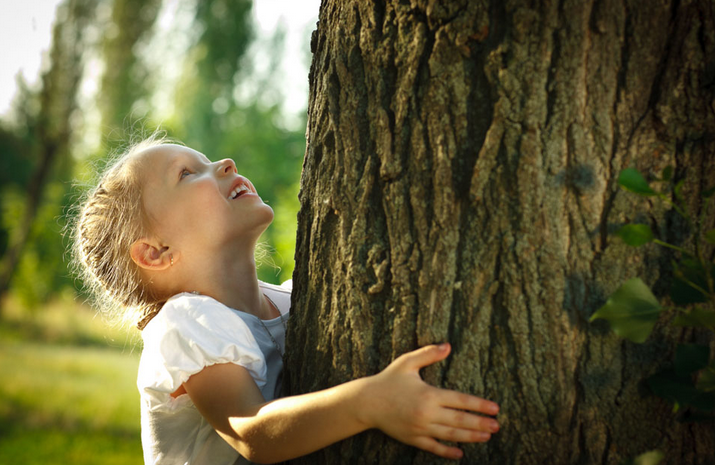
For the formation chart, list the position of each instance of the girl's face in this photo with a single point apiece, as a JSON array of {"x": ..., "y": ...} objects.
[{"x": 192, "y": 203}]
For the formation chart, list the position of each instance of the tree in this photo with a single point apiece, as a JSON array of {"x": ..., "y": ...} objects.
[
  {"x": 51, "y": 130},
  {"x": 124, "y": 81},
  {"x": 205, "y": 97},
  {"x": 460, "y": 184}
]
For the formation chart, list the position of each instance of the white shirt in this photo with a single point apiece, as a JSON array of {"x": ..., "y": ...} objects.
[{"x": 190, "y": 333}]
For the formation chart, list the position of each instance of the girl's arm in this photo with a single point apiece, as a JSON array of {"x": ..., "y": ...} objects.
[{"x": 396, "y": 401}]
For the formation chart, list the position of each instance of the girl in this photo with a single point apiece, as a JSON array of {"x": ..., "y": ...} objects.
[{"x": 170, "y": 236}]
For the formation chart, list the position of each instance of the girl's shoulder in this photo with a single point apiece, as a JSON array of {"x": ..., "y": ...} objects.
[
  {"x": 189, "y": 333},
  {"x": 189, "y": 313}
]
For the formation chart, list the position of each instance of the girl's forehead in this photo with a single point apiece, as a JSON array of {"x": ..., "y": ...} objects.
[
  {"x": 165, "y": 155},
  {"x": 155, "y": 164}
]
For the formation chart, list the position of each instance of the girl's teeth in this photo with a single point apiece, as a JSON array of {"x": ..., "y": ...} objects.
[{"x": 238, "y": 191}]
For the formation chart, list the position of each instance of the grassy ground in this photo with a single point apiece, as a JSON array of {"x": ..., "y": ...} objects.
[{"x": 68, "y": 392}]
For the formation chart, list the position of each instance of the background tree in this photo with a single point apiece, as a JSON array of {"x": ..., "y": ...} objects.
[
  {"x": 124, "y": 82},
  {"x": 460, "y": 184},
  {"x": 206, "y": 88},
  {"x": 36, "y": 155}
]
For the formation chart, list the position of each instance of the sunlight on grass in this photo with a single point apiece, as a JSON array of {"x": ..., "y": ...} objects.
[
  {"x": 66, "y": 321},
  {"x": 69, "y": 388}
]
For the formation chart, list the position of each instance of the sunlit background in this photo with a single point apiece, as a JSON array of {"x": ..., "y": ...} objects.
[{"x": 79, "y": 80}]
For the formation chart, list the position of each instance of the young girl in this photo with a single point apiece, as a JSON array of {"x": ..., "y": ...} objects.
[{"x": 169, "y": 237}]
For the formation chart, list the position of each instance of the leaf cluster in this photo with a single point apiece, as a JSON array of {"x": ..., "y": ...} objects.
[{"x": 632, "y": 310}]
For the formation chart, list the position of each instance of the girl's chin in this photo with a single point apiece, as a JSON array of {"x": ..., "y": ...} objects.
[
  {"x": 259, "y": 213},
  {"x": 264, "y": 215},
  {"x": 260, "y": 222},
  {"x": 271, "y": 215}
]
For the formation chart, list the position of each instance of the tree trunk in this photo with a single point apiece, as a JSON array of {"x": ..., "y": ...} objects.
[
  {"x": 460, "y": 184},
  {"x": 57, "y": 101},
  {"x": 125, "y": 79}
]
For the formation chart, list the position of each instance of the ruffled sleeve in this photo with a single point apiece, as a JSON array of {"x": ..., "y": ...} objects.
[{"x": 190, "y": 333}]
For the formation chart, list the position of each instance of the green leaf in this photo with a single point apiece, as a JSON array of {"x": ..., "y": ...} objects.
[
  {"x": 652, "y": 457},
  {"x": 681, "y": 390},
  {"x": 667, "y": 173},
  {"x": 690, "y": 358},
  {"x": 632, "y": 180},
  {"x": 635, "y": 234},
  {"x": 696, "y": 317},
  {"x": 706, "y": 381},
  {"x": 632, "y": 311},
  {"x": 684, "y": 293},
  {"x": 710, "y": 236},
  {"x": 709, "y": 192}
]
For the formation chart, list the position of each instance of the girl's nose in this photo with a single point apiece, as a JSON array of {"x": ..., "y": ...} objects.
[{"x": 227, "y": 166}]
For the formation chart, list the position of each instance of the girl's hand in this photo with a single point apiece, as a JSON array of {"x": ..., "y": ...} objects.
[{"x": 406, "y": 408}]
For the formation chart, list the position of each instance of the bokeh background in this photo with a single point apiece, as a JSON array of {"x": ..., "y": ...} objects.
[{"x": 79, "y": 81}]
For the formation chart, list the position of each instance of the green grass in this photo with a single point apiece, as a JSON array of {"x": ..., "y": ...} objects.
[{"x": 68, "y": 392}]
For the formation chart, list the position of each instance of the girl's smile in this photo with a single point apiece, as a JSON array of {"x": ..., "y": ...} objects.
[{"x": 240, "y": 188}]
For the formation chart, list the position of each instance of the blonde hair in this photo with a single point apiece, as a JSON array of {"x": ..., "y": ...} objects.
[{"x": 110, "y": 219}]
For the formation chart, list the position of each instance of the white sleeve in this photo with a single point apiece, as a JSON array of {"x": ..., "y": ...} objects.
[{"x": 188, "y": 334}]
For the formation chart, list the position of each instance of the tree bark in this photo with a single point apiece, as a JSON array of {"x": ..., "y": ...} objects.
[{"x": 460, "y": 184}]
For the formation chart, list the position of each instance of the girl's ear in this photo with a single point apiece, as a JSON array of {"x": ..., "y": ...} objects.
[{"x": 149, "y": 255}]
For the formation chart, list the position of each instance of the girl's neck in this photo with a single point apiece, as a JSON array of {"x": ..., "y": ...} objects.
[{"x": 233, "y": 282}]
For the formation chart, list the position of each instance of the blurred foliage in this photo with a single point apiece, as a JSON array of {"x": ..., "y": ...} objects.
[
  {"x": 16, "y": 165},
  {"x": 207, "y": 116},
  {"x": 37, "y": 151},
  {"x": 125, "y": 76},
  {"x": 16, "y": 147},
  {"x": 204, "y": 98},
  {"x": 42, "y": 271}
]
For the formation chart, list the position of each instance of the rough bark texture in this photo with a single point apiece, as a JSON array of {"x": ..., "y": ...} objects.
[{"x": 460, "y": 185}]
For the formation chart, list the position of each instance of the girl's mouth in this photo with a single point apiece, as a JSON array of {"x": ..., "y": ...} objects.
[
  {"x": 239, "y": 191},
  {"x": 240, "y": 187}
]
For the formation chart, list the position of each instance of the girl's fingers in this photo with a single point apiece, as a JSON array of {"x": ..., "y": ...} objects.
[
  {"x": 437, "y": 448},
  {"x": 465, "y": 420},
  {"x": 448, "y": 433},
  {"x": 461, "y": 401},
  {"x": 424, "y": 356}
]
